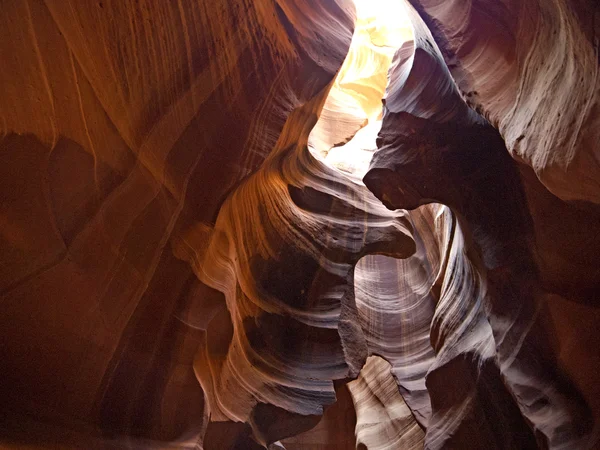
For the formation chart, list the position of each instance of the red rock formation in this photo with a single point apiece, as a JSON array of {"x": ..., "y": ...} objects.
[
  {"x": 125, "y": 126},
  {"x": 181, "y": 269},
  {"x": 449, "y": 158},
  {"x": 384, "y": 420}
]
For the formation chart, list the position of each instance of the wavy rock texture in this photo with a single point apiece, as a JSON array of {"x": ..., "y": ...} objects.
[
  {"x": 383, "y": 421},
  {"x": 344, "y": 136},
  {"x": 113, "y": 149},
  {"x": 459, "y": 160},
  {"x": 288, "y": 282},
  {"x": 190, "y": 258},
  {"x": 532, "y": 69}
]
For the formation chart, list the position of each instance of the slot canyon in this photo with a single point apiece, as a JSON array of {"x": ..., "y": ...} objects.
[{"x": 300, "y": 224}]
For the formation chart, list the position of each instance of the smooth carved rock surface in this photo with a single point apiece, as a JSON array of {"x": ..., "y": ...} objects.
[
  {"x": 189, "y": 258},
  {"x": 532, "y": 69},
  {"x": 344, "y": 136},
  {"x": 125, "y": 125},
  {"x": 383, "y": 419},
  {"x": 461, "y": 161},
  {"x": 288, "y": 281}
]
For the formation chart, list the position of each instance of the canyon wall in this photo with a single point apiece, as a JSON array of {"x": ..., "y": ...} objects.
[{"x": 182, "y": 267}]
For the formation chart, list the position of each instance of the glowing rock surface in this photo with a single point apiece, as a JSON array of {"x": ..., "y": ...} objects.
[{"x": 214, "y": 235}]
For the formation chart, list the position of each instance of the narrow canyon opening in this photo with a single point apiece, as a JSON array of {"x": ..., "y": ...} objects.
[
  {"x": 300, "y": 224},
  {"x": 346, "y": 132}
]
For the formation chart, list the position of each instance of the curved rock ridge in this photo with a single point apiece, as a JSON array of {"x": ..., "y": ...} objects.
[
  {"x": 502, "y": 277},
  {"x": 532, "y": 69},
  {"x": 344, "y": 136},
  {"x": 456, "y": 159},
  {"x": 396, "y": 300},
  {"x": 439, "y": 288},
  {"x": 288, "y": 279},
  {"x": 113, "y": 149},
  {"x": 182, "y": 267},
  {"x": 383, "y": 419}
]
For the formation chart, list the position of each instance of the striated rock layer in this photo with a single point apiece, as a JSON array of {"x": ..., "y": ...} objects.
[
  {"x": 383, "y": 420},
  {"x": 191, "y": 257},
  {"x": 458, "y": 159}
]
